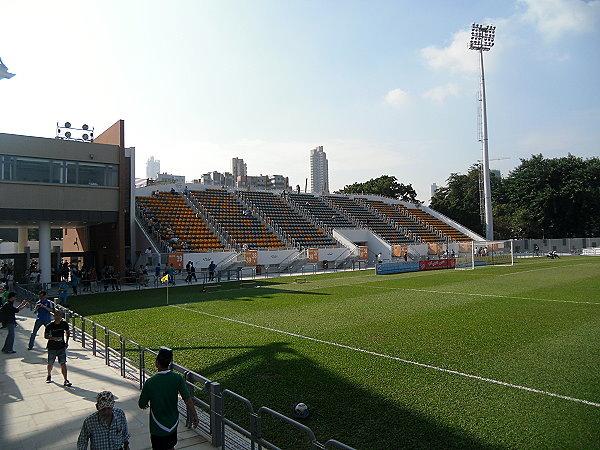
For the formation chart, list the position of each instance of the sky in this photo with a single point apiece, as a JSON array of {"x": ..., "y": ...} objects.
[{"x": 386, "y": 87}]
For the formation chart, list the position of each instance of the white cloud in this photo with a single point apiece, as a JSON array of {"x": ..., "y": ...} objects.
[
  {"x": 396, "y": 98},
  {"x": 554, "y": 18},
  {"x": 439, "y": 93},
  {"x": 456, "y": 56}
]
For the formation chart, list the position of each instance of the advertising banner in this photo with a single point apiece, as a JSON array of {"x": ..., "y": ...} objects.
[
  {"x": 363, "y": 252},
  {"x": 251, "y": 257},
  {"x": 398, "y": 250},
  {"x": 397, "y": 267},
  {"x": 176, "y": 259},
  {"x": 435, "y": 264},
  {"x": 435, "y": 248},
  {"x": 313, "y": 255}
]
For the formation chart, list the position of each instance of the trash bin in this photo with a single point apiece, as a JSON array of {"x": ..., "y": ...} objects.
[{"x": 325, "y": 264}]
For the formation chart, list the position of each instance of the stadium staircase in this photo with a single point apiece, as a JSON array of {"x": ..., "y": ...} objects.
[
  {"x": 367, "y": 218},
  {"x": 294, "y": 227}
]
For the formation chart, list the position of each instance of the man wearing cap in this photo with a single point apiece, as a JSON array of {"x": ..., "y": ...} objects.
[
  {"x": 161, "y": 392},
  {"x": 106, "y": 429},
  {"x": 43, "y": 308}
]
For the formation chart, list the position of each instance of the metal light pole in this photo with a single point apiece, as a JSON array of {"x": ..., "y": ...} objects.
[{"x": 482, "y": 39}]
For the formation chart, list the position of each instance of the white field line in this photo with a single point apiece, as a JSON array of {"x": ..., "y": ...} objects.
[
  {"x": 479, "y": 295},
  {"x": 382, "y": 355},
  {"x": 544, "y": 268}
]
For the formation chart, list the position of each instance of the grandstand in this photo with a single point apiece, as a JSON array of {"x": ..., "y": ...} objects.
[
  {"x": 173, "y": 223},
  {"x": 369, "y": 219},
  {"x": 412, "y": 228},
  {"x": 296, "y": 228},
  {"x": 447, "y": 231},
  {"x": 314, "y": 207},
  {"x": 240, "y": 227}
]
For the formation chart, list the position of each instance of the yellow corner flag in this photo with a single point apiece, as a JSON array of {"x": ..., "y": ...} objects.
[{"x": 164, "y": 279}]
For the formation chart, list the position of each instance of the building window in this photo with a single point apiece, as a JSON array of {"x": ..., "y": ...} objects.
[
  {"x": 41, "y": 170},
  {"x": 35, "y": 170}
]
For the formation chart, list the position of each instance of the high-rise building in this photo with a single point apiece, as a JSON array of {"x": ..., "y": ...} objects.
[
  {"x": 434, "y": 187},
  {"x": 319, "y": 171},
  {"x": 152, "y": 168},
  {"x": 238, "y": 168}
]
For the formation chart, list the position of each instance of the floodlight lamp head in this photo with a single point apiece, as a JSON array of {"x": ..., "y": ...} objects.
[
  {"x": 67, "y": 124},
  {"x": 68, "y": 134}
]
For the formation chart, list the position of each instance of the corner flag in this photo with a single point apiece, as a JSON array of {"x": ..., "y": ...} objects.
[{"x": 164, "y": 279}]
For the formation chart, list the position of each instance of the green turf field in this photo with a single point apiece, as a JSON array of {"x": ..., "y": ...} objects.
[{"x": 492, "y": 357}]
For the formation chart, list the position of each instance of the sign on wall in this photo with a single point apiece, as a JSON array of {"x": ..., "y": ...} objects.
[
  {"x": 363, "y": 252},
  {"x": 251, "y": 257},
  {"x": 313, "y": 255},
  {"x": 176, "y": 259}
]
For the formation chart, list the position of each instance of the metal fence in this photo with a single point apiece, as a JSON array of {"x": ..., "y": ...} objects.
[{"x": 136, "y": 363}]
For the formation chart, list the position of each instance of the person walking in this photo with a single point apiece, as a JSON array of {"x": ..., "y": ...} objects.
[
  {"x": 9, "y": 320},
  {"x": 43, "y": 308},
  {"x": 211, "y": 271},
  {"x": 106, "y": 428},
  {"x": 58, "y": 334},
  {"x": 161, "y": 393},
  {"x": 63, "y": 293}
]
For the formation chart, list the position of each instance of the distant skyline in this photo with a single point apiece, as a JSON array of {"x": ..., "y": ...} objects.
[{"x": 386, "y": 87}]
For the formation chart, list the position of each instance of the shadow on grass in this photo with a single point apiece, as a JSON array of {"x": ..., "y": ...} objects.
[
  {"x": 151, "y": 298},
  {"x": 277, "y": 376}
]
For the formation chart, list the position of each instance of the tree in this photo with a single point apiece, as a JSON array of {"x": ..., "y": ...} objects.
[
  {"x": 560, "y": 195},
  {"x": 551, "y": 198},
  {"x": 385, "y": 185},
  {"x": 459, "y": 200}
]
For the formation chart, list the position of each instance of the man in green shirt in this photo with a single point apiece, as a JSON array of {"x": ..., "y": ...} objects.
[{"x": 161, "y": 392}]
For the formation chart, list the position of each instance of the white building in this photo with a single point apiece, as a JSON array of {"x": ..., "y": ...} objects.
[
  {"x": 319, "y": 171},
  {"x": 152, "y": 168},
  {"x": 238, "y": 168},
  {"x": 434, "y": 187},
  {"x": 170, "y": 178}
]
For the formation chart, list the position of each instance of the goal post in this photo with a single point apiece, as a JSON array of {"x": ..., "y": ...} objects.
[
  {"x": 494, "y": 253},
  {"x": 485, "y": 253},
  {"x": 465, "y": 259}
]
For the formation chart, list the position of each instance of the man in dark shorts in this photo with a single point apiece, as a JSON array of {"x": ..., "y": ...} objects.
[
  {"x": 161, "y": 391},
  {"x": 57, "y": 333}
]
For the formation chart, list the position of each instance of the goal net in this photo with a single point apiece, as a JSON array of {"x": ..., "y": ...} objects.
[{"x": 484, "y": 253}]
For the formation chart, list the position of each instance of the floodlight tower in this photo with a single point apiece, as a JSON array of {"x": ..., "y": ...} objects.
[{"x": 482, "y": 40}]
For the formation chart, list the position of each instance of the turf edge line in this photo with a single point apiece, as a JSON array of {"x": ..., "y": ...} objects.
[{"x": 426, "y": 366}]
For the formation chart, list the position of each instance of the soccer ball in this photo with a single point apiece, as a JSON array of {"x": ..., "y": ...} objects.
[{"x": 301, "y": 410}]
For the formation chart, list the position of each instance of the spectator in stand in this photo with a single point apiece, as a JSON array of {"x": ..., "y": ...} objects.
[
  {"x": 43, "y": 309},
  {"x": 9, "y": 321}
]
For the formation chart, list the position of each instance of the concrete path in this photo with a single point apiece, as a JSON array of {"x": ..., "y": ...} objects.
[{"x": 37, "y": 415}]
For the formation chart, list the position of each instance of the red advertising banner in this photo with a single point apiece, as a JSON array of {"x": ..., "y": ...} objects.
[
  {"x": 176, "y": 259},
  {"x": 251, "y": 257},
  {"x": 313, "y": 255},
  {"x": 435, "y": 264},
  {"x": 363, "y": 252}
]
